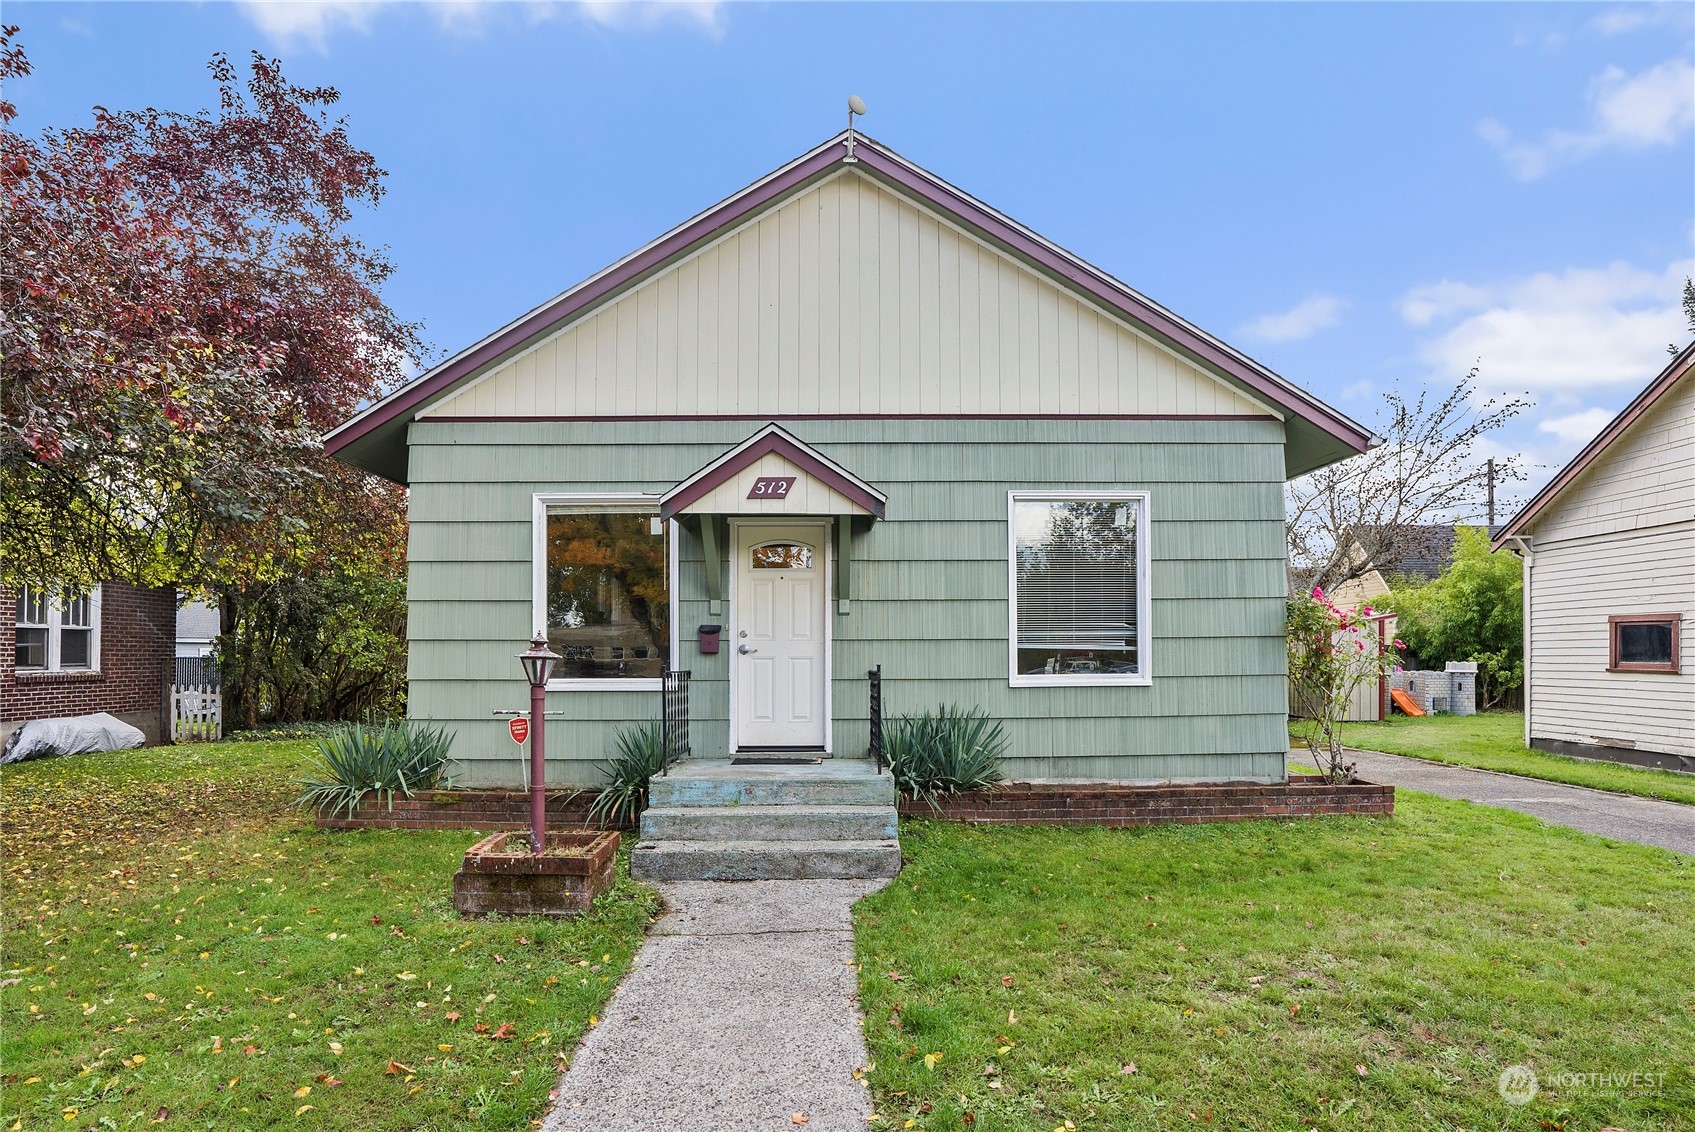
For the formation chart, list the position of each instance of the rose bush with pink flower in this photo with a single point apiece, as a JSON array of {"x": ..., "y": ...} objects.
[{"x": 1332, "y": 654}]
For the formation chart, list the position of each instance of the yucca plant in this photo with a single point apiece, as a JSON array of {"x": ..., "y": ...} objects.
[
  {"x": 638, "y": 754},
  {"x": 356, "y": 759},
  {"x": 947, "y": 752}
]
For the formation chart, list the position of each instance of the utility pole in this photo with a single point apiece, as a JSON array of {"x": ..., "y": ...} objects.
[{"x": 1491, "y": 530}]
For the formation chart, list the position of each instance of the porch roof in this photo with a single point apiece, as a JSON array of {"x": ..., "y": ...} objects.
[{"x": 773, "y": 453}]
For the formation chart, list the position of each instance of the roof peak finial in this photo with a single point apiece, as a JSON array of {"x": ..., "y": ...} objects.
[{"x": 856, "y": 105}]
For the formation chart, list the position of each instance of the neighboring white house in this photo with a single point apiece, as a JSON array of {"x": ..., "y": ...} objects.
[{"x": 1609, "y": 587}]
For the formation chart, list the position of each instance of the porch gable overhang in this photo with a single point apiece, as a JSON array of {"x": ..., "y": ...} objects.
[{"x": 773, "y": 453}]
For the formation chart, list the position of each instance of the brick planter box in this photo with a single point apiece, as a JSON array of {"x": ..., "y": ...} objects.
[
  {"x": 1026, "y": 803},
  {"x": 467, "y": 809},
  {"x": 519, "y": 883}
]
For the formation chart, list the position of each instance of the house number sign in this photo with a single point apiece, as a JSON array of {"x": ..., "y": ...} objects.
[{"x": 771, "y": 487}]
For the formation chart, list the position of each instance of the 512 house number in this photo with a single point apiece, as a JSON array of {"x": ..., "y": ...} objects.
[{"x": 771, "y": 487}]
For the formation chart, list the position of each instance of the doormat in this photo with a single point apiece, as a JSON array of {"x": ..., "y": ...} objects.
[{"x": 774, "y": 760}]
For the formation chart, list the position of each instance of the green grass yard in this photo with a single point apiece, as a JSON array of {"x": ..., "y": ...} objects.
[
  {"x": 1339, "y": 973},
  {"x": 181, "y": 947},
  {"x": 1495, "y": 741}
]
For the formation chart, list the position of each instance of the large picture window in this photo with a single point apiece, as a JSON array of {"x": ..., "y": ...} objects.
[
  {"x": 57, "y": 634},
  {"x": 605, "y": 587},
  {"x": 1078, "y": 564}
]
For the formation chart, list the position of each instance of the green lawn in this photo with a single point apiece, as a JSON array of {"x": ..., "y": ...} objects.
[
  {"x": 1495, "y": 741},
  {"x": 1340, "y": 973},
  {"x": 179, "y": 944}
]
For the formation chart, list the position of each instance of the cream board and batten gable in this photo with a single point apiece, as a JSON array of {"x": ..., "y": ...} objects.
[{"x": 847, "y": 300}]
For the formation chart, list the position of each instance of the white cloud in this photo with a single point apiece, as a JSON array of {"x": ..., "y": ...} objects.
[
  {"x": 311, "y": 22},
  {"x": 1577, "y": 428},
  {"x": 1555, "y": 333},
  {"x": 1303, "y": 320},
  {"x": 1629, "y": 112},
  {"x": 287, "y": 22},
  {"x": 1622, "y": 21}
]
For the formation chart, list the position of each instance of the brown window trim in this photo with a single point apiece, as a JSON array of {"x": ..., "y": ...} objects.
[{"x": 1675, "y": 620}]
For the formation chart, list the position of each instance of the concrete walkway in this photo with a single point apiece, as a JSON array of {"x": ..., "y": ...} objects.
[
  {"x": 738, "y": 1013},
  {"x": 1647, "y": 821}
]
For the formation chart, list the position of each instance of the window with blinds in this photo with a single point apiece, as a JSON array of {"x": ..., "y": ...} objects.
[{"x": 1078, "y": 610}]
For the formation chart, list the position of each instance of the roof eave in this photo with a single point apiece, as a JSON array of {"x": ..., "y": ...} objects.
[{"x": 1519, "y": 525}]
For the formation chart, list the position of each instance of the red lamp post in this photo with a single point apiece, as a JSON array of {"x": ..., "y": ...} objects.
[{"x": 538, "y": 662}]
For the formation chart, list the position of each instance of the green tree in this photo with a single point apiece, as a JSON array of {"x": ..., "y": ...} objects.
[{"x": 1473, "y": 611}]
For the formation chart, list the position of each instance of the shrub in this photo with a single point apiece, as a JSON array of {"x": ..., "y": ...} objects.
[
  {"x": 947, "y": 752},
  {"x": 356, "y": 759},
  {"x": 1332, "y": 654},
  {"x": 638, "y": 754}
]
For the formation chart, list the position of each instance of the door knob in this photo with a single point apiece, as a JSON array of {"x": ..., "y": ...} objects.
[{"x": 744, "y": 650}]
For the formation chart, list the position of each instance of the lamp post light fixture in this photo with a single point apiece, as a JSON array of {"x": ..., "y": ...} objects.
[{"x": 538, "y": 662}]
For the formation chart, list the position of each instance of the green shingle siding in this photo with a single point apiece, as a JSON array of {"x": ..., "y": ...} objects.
[{"x": 929, "y": 587}]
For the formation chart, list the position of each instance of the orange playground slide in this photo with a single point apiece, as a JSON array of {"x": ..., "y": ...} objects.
[{"x": 1405, "y": 702}]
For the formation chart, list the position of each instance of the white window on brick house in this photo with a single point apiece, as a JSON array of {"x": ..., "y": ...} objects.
[{"x": 58, "y": 634}]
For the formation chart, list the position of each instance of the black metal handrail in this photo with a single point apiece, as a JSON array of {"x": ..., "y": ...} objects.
[
  {"x": 876, "y": 676},
  {"x": 674, "y": 716}
]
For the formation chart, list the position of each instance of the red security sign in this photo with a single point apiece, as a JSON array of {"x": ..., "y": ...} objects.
[
  {"x": 520, "y": 728},
  {"x": 771, "y": 487}
]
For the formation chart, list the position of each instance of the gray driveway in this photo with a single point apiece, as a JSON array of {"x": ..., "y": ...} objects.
[
  {"x": 739, "y": 1012},
  {"x": 1667, "y": 825}
]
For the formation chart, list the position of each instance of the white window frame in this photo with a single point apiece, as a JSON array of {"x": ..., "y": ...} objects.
[
  {"x": 1144, "y": 588},
  {"x": 55, "y": 626},
  {"x": 625, "y": 501}
]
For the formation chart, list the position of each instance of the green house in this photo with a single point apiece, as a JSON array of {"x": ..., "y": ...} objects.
[{"x": 852, "y": 419}]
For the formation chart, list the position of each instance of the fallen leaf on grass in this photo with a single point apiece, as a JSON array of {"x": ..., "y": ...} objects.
[
  {"x": 1360, "y": 1069},
  {"x": 453, "y": 1015},
  {"x": 1128, "y": 1068},
  {"x": 505, "y": 1032},
  {"x": 395, "y": 1068},
  {"x": 1006, "y": 980},
  {"x": 161, "y": 1116},
  {"x": 480, "y": 1027},
  {"x": 328, "y": 1081},
  {"x": 406, "y": 976},
  {"x": 304, "y": 1109},
  {"x": 930, "y": 1059},
  {"x": 304, "y": 1090}
]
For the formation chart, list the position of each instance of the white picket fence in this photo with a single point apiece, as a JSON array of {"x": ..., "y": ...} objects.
[{"x": 197, "y": 712}]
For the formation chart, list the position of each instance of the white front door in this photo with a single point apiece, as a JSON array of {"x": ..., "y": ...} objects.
[{"x": 779, "y": 659}]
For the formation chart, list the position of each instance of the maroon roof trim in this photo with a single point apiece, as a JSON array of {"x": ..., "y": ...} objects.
[
  {"x": 1258, "y": 418},
  {"x": 584, "y": 296},
  {"x": 1644, "y": 401},
  {"x": 773, "y": 441},
  {"x": 874, "y": 158}
]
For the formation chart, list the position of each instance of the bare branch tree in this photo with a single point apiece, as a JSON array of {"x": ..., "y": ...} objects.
[{"x": 1378, "y": 506}]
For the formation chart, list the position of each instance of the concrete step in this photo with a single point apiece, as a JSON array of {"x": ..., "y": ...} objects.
[
  {"x": 834, "y": 782},
  {"x": 768, "y": 860},
  {"x": 770, "y": 823}
]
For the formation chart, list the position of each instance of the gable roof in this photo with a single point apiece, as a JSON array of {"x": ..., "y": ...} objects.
[
  {"x": 773, "y": 439},
  {"x": 1617, "y": 427},
  {"x": 375, "y": 439}
]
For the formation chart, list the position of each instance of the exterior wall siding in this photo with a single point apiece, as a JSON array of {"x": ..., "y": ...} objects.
[
  {"x": 138, "y": 633},
  {"x": 1619, "y": 539},
  {"x": 847, "y": 300},
  {"x": 928, "y": 587},
  {"x": 1575, "y": 586}
]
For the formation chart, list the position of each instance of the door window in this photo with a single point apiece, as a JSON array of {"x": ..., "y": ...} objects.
[{"x": 782, "y": 556}]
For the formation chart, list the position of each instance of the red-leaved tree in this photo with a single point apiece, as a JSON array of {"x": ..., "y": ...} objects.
[{"x": 183, "y": 312}]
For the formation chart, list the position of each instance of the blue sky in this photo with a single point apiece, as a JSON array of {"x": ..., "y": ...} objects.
[{"x": 1359, "y": 195}]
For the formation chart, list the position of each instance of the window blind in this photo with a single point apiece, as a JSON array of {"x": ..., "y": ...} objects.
[{"x": 1076, "y": 584}]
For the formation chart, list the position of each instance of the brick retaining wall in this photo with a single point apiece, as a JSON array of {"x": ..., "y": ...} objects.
[
  {"x": 1026, "y": 803},
  {"x": 467, "y": 809}
]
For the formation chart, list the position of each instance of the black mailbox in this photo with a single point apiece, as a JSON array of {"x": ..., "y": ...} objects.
[{"x": 709, "y": 636}]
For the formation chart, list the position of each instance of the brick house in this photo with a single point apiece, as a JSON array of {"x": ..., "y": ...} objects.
[{"x": 110, "y": 650}]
